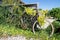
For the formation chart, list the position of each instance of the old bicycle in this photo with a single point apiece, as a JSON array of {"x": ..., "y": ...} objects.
[
  {"x": 48, "y": 23},
  {"x": 33, "y": 20}
]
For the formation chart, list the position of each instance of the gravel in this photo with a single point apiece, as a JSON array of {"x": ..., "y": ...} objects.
[{"x": 13, "y": 38}]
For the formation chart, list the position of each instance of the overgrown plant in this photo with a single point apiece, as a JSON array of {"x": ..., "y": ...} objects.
[{"x": 11, "y": 14}]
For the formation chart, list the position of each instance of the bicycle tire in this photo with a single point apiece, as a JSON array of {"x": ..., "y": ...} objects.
[{"x": 52, "y": 32}]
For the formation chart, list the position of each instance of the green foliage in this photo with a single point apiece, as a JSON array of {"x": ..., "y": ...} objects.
[
  {"x": 10, "y": 1},
  {"x": 11, "y": 15},
  {"x": 7, "y": 30},
  {"x": 56, "y": 24},
  {"x": 55, "y": 12},
  {"x": 12, "y": 18}
]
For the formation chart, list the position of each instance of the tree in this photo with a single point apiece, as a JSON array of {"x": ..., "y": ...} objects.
[{"x": 54, "y": 12}]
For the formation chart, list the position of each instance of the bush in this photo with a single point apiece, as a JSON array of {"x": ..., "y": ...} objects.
[
  {"x": 56, "y": 24},
  {"x": 11, "y": 18},
  {"x": 54, "y": 12}
]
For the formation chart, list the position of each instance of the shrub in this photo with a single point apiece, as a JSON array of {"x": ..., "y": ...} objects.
[{"x": 54, "y": 12}]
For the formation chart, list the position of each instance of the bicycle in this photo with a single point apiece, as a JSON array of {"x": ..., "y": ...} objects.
[{"x": 35, "y": 23}]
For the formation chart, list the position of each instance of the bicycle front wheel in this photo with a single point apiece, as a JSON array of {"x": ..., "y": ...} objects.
[{"x": 49, "y": 30}]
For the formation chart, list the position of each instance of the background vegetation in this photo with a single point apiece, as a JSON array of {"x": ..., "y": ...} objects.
[{"x": 10, "y": 21}]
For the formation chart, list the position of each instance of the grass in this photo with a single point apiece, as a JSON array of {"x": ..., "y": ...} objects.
[{"x": 6, "y": 30}]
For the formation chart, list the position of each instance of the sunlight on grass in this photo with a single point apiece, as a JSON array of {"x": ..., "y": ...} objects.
[{"x": 6, "y": 30}]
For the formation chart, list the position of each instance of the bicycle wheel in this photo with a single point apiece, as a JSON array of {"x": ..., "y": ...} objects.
[{"x": 50, "y": 29}]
